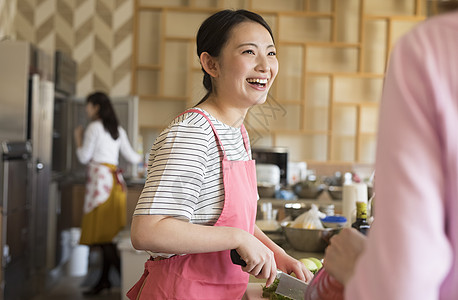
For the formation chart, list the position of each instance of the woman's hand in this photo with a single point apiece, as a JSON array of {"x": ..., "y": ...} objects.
[
  {"x": 343, "y": 252},
  {"x": 290, "y": 265},
  {"x": 78, "y": 136},
  {"x": 259, "y": 259}
]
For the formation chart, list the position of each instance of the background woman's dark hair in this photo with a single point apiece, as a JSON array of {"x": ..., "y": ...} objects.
[
  {"x": 106, "y": 112},
  {"x": 214, "y": 33}
]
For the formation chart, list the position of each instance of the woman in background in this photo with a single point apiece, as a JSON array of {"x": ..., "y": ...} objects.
[
  {"x": 200, "y": 196},
  {"x": 105, "y": 199}
]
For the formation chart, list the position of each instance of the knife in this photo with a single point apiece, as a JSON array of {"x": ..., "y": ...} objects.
[{"x": 288, "y": 285}]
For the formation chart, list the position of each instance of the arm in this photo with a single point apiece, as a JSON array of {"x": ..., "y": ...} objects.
[
  {"x": 126, "y": 149},
  {"x": 343, "y": 252},
  {"x": 86, "y": 146},
  {"x": 284, "y": 262},
  {"x": 153, "y": 232},
  {"x": 78, "y": 136}
]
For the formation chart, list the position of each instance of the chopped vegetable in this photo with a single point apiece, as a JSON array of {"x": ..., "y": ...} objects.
[{"x": 269, "y": 292}]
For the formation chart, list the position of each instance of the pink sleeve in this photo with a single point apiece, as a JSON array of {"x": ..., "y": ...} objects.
[{"x": 408, "y": 254}]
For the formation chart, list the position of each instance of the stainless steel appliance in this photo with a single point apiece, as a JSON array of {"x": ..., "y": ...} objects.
[
  {"x": 27, "y": 99},
  {"x": 64, "y": 93},
  {"x": 16, "y": 214},
  {"x": 65, "y": 88},
  {"x": 273, "y": 155}
]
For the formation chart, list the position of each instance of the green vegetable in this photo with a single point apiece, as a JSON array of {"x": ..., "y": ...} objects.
[
  {"x": 275, "y": 296},
  {"x": 269, "y": 292}
]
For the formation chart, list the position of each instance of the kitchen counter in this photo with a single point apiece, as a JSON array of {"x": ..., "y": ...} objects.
[
  {"x": 321, "y": 201},
  {"x": 80, "y": 178},
  {"x": 137, "y": 181},
  {"x": 253, "y": 292}
]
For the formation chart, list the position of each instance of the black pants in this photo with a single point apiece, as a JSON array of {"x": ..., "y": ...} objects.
[{"x": 110, "y": 257}]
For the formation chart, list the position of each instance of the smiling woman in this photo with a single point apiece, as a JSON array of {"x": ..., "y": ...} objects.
[
  {"x": 200, "y": 196},
  {"x": 243, "y": 72},
  {"x": 232, "y": 58}
]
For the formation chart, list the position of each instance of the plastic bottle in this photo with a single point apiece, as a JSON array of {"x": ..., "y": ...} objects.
[{"x": 348, "y": 199}]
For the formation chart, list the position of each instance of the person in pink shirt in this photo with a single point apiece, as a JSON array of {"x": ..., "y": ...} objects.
[{"x": 412, "y": 249}]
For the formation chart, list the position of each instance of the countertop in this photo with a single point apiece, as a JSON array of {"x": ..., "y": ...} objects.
[
  {"x": 80, "y": 178},
  {"x": 253, "y": 292},
  {"x": 320, "y": 201}
]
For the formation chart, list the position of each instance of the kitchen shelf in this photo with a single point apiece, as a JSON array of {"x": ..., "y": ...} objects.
[
  {"x": 180, "y": 39},
  {"x": 395, "y": 18},
  {"x": 162, "y": 97},
  {"x": 294, "y": 132},
  {"x": 152, "y": 127},
  {"x": 312, "y": 14},
  {"x": 349, "y": 74},
  {"x": 187, "y": 8},
  {"x": 332, "y": 55},
  {"x": 149, "y": 67},
  {"x": 371, "y": 104}
]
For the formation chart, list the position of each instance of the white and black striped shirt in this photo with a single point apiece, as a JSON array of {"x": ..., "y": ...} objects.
[{"x": 185, "y": 178}]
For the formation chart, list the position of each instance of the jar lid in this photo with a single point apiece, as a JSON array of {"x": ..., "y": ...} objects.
[{"x": 334, "y": 219}]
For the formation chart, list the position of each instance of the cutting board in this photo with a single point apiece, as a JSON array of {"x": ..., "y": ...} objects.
[{"x": 253, "y": 292}]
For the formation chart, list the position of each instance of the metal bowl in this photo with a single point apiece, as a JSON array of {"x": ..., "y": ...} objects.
[
  {"x": 308, "y": 189},
  {"x": 335, "y": 192},
  {"x": 295, "y": 209},
  {"x": 308, "y": 240},
  {"x": 267, "y": 190}
]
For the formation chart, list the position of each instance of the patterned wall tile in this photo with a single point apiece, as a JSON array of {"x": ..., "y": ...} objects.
[
  {"x": 97, "y": 34},
  {"x": 7, "y": 12}
]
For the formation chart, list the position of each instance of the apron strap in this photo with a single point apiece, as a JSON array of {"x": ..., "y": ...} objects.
[
  {"x": 117, "y": 174},
  {"x": 211, "y": 124},
  {"x": 242, "y": 130},
  {"x": 245, "y": 139}
]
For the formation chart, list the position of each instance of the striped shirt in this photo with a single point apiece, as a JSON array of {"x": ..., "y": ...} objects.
[{"x": 185, "y": 178}]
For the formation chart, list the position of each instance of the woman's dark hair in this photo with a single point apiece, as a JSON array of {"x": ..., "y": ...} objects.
[
  {"x": 214, "y": 33},
  {"x": 106, "y": 112}
]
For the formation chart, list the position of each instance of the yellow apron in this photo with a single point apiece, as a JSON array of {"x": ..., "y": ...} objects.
[{"x": 104, "y": 222}]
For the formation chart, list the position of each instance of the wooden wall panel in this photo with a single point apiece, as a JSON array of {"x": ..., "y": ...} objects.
[{"x": 332, "y": 55}]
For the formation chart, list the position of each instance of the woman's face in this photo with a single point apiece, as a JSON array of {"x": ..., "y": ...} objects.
[
  {"x": 247, "y": 65},
  {"x": 92, "y": 110}
]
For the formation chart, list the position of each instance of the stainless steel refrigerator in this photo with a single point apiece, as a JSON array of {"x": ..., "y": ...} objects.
[{"x": 26, "y": 121}]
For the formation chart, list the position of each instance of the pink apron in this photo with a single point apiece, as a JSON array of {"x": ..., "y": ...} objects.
[{"x": 208, "y": 275}]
